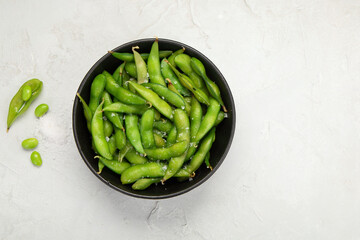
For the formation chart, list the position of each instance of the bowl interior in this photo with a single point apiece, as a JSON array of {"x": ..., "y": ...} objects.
[{"x": 224, "y": 132}]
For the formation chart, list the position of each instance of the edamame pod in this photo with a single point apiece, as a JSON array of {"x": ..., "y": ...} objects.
[
  {"x": 120, "y": 138},
  {"x": 133, "y": 133},
  {"x": 108, "y": 128},
  {"x": 129, "y": 57},
  {"x": 114, "y": 117},
  {"x": 182, "y": 125},
  {"x": 209, "y": 119},
  {"x": 159, "y": 141},
  {"x": 124, "y": 108},
  {"x": 151, "y": 169},
  {"x": 112, "y": 144},
  {"x": 171, "y": 138},
  {"x": 171, "y": 87},
  {"x": 117, "y": 74},
  {"x": 141, "y": 69},
  {"x": 168, "y": 73},
  {"x": 97, "y": 131},
  {"x": 146, "y": 128},
  {"x": 154, "y": 65},
  {"x": 123, "y": 95},
  {"x": 199, "y": 68},
  {"x": 173, "y": 56},
  {"x": 87, "y": 112},
  {"x": 144, "y": 183},
  {"x": 166, "y": 94},
  {"x": 96, "y": 90},
  {"x": 135, "y": 158},
  {"x": 130, "y": 68},
  {"x": 183, "y": 62},
  {"x": 220, "y": 118},
  {"x": 174, "y": 150},
  {"x": 163, "y": 126},
  {"x": 186, "y": 82},
  {"x": 115, "y": 166},
  {"x": 18, "y": 106},
  {"x": 162, "y": 106}
]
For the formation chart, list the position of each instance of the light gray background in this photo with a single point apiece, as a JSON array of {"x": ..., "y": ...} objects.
[{"x": 293, "y": 171}]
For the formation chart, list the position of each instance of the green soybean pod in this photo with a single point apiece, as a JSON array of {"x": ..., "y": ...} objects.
[
  {"x": 112, "y": 144},
  {"x": 182, "y": 124},
  {"x": 166, "y": 94},
  {"x": 134, "y": 157},
  {"x": 133, "y": 133},
  {"x": 163, "y": 126},
  {"x": 159, "y": 141},
  {"x": 146, "y": 128},
  {"x": 41, "y": 110},
  {"x": 36, "y": 158},
  {"x": 26, "y": 93},
  {"x": 207, "y": 161},
  {"x": 171, "y": 87},
  {"x": 183, "y": 62},
  {"x": 144, "y": 183},
  {"x": 120, "y": 138},
  {"x": 115, "y": 118},
  {"x": 173, "y": 56},
  {"x": 98, "y": 135},
  {"x": 199, "y": 68},
  {"x": 108, "y": 128},
  {"x": 100, "y": 167},
  {"x": 209, "y": 119},
  {"x": 130, "y": 68},
  {"x": 220, "y": 118},
  {"x": 125, "y": 108},
  {"x": 195, "y": 117},
  {"x": 118, "y": 72},
  {"x": 154, "y": 65},
  {"x": 171, "y": 138},
  {"x": 30, "y": 143},
  {"x": 162, "y": 106},
  {"x": 124, "y": 150},
  {"x": 165, "y": 153},
  {"x": 141, "y": 69},
  {"x": 115, "y": 166},
  {"x": 187, "y": 82},
  {"x": 168, "y": 73},
  {"x": 128, "y": 57},
  {"x": 18, "y": 106},
  {"x": 96, "y": 90},
  {"x": 122, "y": 94},
  {"x": 150, "y": 169},
  {"x": 200, "y": 155},
  {"x": 87, "y": 112}
]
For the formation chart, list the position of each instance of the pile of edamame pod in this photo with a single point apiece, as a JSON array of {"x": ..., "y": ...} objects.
[{"x": 154, "y": 118}]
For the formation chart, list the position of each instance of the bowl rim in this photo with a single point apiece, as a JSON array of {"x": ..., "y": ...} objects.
[{"x": 221, "y": 160}]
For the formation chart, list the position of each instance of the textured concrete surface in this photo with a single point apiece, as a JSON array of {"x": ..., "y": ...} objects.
[{"x": 293, "y": 171}]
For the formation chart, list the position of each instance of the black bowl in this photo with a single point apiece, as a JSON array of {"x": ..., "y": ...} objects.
[{"x": 224, "y": 132}]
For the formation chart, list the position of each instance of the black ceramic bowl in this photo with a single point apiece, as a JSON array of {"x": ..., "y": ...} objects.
[{"x": 224, "y": 132}]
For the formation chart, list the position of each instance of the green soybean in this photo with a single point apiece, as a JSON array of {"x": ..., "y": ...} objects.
[
  {"x": 159, "y": 141},
  {"x": 108, "y": 128},
  {"x": 220, "y": 118},
  {"x": 165, "y": 153},
  {"x": 30, "y": 143},
  {"x": 163, "y": 126},
  {"x": 183, "y": 61},
  {"x": 18, "y": 106},
  {"x": 133, "y": 133},
  {"x": 207, "y": 161},
  {"x": 117, "y": 73},
  {"x": 120, "y": 138},
  {"x": 112, "y": 144},
  {"x": 171, "y": 138},
  {"x": 36, "y": 158},
  {"x": 115, "y": 118},
  {"x": 26, "y": 93},
  {"x": 174, "y": 55},
  {"x": 209, "y": 119},
  {"x": 100, "y": 167},
  {"x": 136, "y": 172},
  {"x": 41, "y": 110}
]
